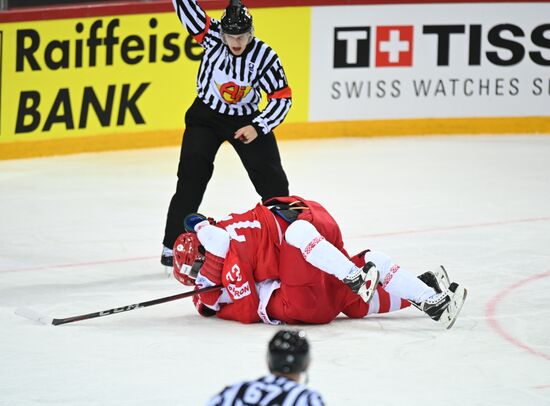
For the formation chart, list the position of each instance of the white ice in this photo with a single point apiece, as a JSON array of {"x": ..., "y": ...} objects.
[{"x": 83, "y": 233}]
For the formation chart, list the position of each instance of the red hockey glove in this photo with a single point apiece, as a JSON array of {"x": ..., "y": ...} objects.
[
  {"x": 203, "y": 310},
  {"x": 212, "y": 268}
]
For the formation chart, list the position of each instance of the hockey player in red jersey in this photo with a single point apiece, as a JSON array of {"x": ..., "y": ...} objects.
[{"x": 284, "y": 261}]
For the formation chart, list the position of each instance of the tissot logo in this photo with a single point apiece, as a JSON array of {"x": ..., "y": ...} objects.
[
  {"x": 394, "y": 45},
  {"x": 351, "y": 47},
  {"x": 501, "y": 45}
]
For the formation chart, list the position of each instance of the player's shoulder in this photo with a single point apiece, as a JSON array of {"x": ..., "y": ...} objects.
[{"x": 233, "y": 218}]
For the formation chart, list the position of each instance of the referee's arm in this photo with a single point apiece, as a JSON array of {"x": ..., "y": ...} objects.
[
  {"x": 279, "y": 95},
  {"x": 192, "y": 16}
]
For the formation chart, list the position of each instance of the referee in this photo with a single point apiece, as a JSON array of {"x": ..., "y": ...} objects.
[
  {"x": 235, "y": 68},
  {"x": 288, "y": 359}
]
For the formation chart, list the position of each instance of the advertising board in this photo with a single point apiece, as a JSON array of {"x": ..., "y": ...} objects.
[
  {"x": 77, "y": 82},
  {"x": 119, "y": 81},
  {"x": 430, "y": 61}
]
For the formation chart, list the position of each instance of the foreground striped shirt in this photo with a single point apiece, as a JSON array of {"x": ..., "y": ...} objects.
[
  {"x": 231, "y": 84},
  {"x": 269, "y": 390}
]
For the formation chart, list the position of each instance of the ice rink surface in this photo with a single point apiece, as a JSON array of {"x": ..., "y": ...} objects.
[{"x": 83, "y": 233}]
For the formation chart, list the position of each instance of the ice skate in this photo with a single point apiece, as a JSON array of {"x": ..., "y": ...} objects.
[
  {"x": 438, "y": 279},
  {"x": 445, "y": 306},
  {"x": 363, "y": 281}
]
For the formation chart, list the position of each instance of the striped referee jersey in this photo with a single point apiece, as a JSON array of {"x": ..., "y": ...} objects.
[
  {"x": 269, "y": 390},
  {"x": 232, "y": 84}
]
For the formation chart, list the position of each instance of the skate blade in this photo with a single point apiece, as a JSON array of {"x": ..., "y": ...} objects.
[
  {"x": 442, "y": 277},
  {"x": 450, "y": 314},
  {"x": 168, "y": 271}
]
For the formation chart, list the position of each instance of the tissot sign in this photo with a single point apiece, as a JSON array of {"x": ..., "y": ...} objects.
[
  {"x": 462, "y": 60},
  {"x": 394, "y": 44}
]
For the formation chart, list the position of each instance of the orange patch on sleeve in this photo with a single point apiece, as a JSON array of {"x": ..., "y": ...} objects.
[
  {"x": 200, "y": 37},
  {"x": 284, "y": 93}
]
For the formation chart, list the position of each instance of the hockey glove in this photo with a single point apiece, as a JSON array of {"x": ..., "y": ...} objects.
[
  {"x": 212, "y": 268},
  {"x": 206, "y": 303},
  {"x": 203, "y": 310},
  {"x": 192, "y": 220}
]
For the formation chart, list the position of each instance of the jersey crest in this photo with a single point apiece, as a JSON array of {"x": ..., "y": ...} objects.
[{"x": 233, "y": 93}]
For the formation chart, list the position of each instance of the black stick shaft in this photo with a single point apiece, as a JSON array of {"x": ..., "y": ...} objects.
[{"x": 127, "y": 308}]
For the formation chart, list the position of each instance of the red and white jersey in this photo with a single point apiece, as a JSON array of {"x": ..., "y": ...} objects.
[
  {"x": 252, "y": 261},
  {"x": 268, "y": 280},
  {"x": 255, "y": 240}
]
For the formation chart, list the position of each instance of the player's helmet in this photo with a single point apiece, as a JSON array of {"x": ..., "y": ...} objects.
[
  {"x": 189, "y": 255},
  {"x": 288, "y": 352},
  {"x": 236, "y": 19}
]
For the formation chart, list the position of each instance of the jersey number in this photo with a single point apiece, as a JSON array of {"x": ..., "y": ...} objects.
[
  {"x": 232, "y": 229},
  {"x": 261, "y": 394}
]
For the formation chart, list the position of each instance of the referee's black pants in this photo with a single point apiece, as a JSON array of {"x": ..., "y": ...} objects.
[{"x": 205, "y": 131}]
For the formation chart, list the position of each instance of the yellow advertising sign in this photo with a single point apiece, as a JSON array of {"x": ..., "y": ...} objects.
[{"x": 116, "y": 76}]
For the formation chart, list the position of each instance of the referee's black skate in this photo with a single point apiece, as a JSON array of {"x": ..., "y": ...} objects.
[{"x": 363, "y": 282}]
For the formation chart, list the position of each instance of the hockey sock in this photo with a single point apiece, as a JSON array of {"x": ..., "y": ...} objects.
[
  {"x": 317, "y": 251},
  {"x": 383, "y": 302},
  {"x": 398, "y": 281}
]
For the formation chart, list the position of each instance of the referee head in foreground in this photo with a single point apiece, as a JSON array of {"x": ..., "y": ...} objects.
[{"x": 288, "y": 361}]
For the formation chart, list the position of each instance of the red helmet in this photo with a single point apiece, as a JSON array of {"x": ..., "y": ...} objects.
[{"x": 189, "y": 255}]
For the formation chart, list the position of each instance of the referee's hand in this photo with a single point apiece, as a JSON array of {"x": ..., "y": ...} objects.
[{"x": 246, "y": 134}]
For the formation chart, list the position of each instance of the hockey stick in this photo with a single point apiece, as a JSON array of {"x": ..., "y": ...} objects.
[{"x": 35, "y": 316}]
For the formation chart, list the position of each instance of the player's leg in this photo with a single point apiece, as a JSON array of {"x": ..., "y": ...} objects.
[
  {"x": 397, "y": 280},
  {"x": 317, "y": 251},
  {"x": 438, "y": 300},
  {"x": 381, "y": 302}
]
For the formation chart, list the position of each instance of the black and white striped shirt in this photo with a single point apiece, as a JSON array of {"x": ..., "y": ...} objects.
[
  {"x": 269, "y": 390},
  {"x": 231, "y": 84}
]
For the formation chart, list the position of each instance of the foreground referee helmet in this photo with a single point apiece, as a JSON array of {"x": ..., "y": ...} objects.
[{"x": 288, "y": 353}]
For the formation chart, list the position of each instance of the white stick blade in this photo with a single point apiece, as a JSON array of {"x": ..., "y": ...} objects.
[{"x": 33, "y": 315}]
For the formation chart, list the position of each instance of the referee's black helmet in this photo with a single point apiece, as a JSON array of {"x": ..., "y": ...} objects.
[
  {"x": 236, "y": 19},
  {"x": 288, "y": 352}
]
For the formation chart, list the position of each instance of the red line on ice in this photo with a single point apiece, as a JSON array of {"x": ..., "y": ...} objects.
[
  {"x": 458, "y": 227},
  {"x": 427, "y": 230},
  {"x": 491, "y": 311}
]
